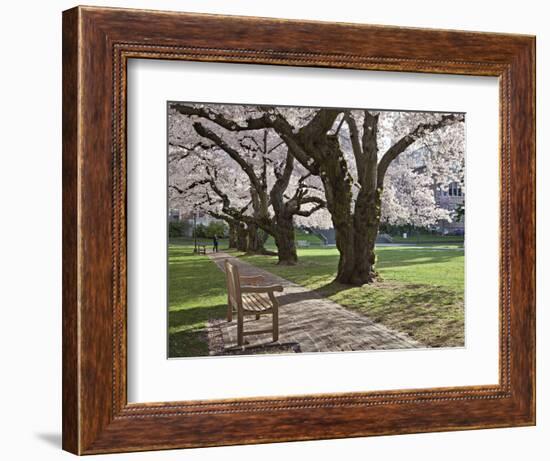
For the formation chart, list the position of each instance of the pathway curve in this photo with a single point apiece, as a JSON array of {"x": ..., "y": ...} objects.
[{"x": 307, "y": 323}]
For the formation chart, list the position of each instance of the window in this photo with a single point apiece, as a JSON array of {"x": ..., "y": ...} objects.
[{"x": 455, "y": 190}]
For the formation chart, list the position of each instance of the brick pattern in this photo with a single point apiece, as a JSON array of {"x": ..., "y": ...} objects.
[{"x": 307, "y": 323}]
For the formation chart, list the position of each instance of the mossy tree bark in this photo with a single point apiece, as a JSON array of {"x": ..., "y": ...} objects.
[
  {"x": 232, "y": 234},
  {"x": 242, "y": 240},
  {"x": 286, "y": 208},
  {"x": 255, "y": 239}
]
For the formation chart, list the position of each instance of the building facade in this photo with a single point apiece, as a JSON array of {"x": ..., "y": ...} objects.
[{"x": 452, "y": 199}]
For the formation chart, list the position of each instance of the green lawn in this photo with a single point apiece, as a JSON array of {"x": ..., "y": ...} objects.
[
  {"x": 196, "y": 293},
  {"x": 299, "y": 235},
  {"x": 420, "y": 292},
  {"x": 428, "y": 238}
]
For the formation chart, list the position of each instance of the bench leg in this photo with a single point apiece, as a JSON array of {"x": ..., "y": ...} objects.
[
  {"x": 275, "y": 323},
  {"x": 240, "y": 328},
  {"x": 257, "y": 316}
]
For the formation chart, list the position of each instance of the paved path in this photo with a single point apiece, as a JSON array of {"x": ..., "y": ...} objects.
[{"x": 307, "y": 323}]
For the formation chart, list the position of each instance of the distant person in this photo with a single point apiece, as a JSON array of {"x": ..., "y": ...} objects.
[{"x": 215, "y": 242}]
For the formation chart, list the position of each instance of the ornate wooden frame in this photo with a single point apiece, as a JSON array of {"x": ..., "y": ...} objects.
[{"x": 97, "y": 43}]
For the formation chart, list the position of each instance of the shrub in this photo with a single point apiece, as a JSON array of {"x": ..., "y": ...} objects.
[
  {"x": 218, "y": 228},
  {"x": 200, "y": 231},
  {"x": 177, "y": 229}
]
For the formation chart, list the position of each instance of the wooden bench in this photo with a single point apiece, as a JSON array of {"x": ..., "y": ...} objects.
[
  {"x": 246, "y": 296},
  {"x": 201, "y": 249}
]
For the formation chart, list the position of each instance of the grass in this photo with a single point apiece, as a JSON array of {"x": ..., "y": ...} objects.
[
  {"x": 420, "y": 292},
  {"x": 188, "y": 241},
  {"x": 196, "y": 293},
  {"x": 428, "y": 238},
  {"x": 299, "y": 235}
]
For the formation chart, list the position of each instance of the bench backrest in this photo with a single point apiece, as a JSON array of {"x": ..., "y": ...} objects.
[{"x": 233, "y": 284}]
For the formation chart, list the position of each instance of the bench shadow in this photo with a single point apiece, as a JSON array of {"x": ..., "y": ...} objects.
[
  {"x": 286, "y": 299},
  {"x": 268, "y": 347}
]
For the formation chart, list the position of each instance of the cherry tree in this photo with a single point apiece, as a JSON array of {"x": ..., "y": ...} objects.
[
  {"x": 195, "y": 187},
  {"x": 409, "y": 197},
  {"x": 202, "y": 179},
  {"x": 280, "y": 190},
  {"x": 350, "y": 151},
  {"x": 431, "y": 164}
]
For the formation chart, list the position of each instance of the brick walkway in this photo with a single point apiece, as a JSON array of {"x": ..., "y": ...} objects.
[{"x": 307, "y": 323}]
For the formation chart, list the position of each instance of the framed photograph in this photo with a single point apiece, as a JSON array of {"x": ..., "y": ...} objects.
[{"x": 284, "y": 230}]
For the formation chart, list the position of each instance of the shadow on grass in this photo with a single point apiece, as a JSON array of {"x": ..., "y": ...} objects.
[
  {"x": 388, "y": 259},
  {"x": 193, "y": 343},
  {"x": 436, "y": 257},
  {"x": 190, "y": 316},
  {"x": 408, "y": 293},
  {"x": 433, "y": 315},
  {"x": 188, "y": 336}
]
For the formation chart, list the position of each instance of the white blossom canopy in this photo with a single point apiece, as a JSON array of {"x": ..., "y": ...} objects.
[{"x": 199, "y": 169}]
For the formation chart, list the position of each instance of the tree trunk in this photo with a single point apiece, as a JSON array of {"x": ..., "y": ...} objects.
[
  {"x": 241, "y": 237},
  {"x": 355, "y": 239},
  {"x": 345, "y": 243},
  {"x": 232, "y": 235},
  {"x": 285, "y": 241},
  {"x": 264, "y": 235},
  {"x": 339, "y": 201},
  {"x": 255, "y": 239},
  {"x": 357, "y": 230},
  {"x": 356, "y": 265}
]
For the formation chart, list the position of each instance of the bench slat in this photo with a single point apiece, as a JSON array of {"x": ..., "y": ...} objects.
[{"x": 256, "y": 302}]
